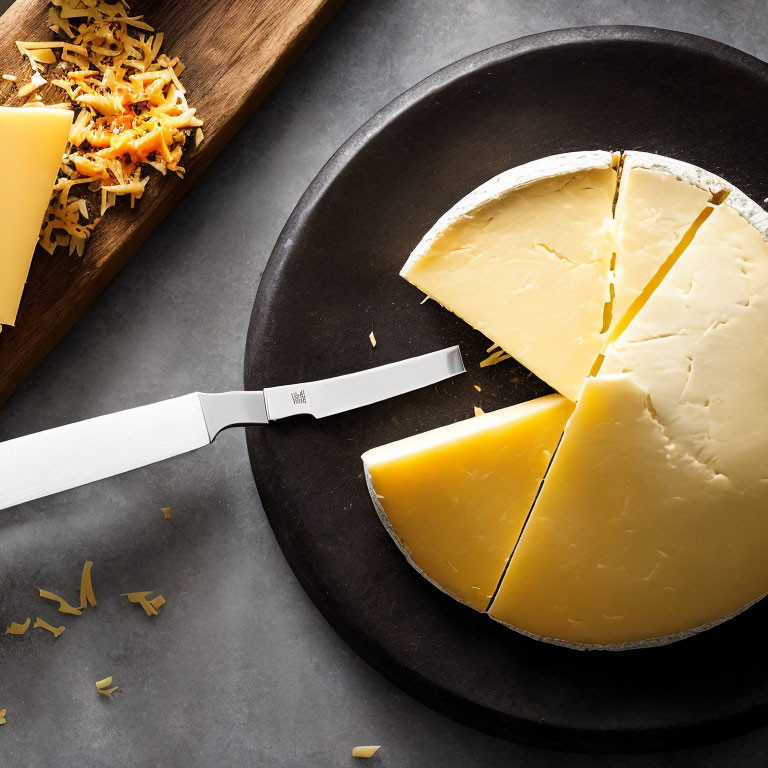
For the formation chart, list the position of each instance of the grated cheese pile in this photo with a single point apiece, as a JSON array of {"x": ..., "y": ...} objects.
[{"x": 131, "y": 112}]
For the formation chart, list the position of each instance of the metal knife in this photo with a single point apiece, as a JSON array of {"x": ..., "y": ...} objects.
[{"x": 58, "y": 459}]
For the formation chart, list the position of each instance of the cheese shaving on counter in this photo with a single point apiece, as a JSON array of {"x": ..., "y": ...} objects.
[
  {"x": 131, "y": 112},
  {"x": 105, "y": 687},
  {"x": 18, "y": 629},
  {"x": 495, "y": 357},
  {"x": 166, "y": 512},
  {"x": 150, "y": 606},
  {"x": 372, "y": 339},
  {"x": 87, "y": 595},
  {"x": 42, "y": 624},
  {"x": 3, "y": 713},
  {"x": 478, "y": 410},
  {"x": 64, "y": 606}
]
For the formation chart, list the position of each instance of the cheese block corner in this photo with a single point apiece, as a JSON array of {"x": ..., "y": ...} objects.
[
  {"x": 32, "y": 143},
  {"x": 455, "y": 499}
]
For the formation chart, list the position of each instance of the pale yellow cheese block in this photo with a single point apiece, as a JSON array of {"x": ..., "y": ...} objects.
[
  {"x": 652, "y": 522},
  {"x": 659, "y": 201},
  {"x": 525, "y": 259},
  {"x": 455, "y": 499},
  {"x": 698, "y": 346},
  {"x": 32, "y": 143}
]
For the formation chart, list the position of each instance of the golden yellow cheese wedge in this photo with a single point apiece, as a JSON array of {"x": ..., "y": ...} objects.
[{"x": 455, "y": 499}]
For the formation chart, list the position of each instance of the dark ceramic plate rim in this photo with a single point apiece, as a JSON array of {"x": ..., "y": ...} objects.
[{"x": 423, "y": 689}]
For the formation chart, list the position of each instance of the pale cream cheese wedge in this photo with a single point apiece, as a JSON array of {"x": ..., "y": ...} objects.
[
  {"x": 32, "y": 143},
  {"x": 525, "y": 259},
  {"x": 652, "y": 522},
  {"x": 455, "y": 499},
  {"x": 660, "y": 200}
]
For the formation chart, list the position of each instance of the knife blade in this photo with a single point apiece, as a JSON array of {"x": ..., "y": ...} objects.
[{"x": 65, "y": 457}]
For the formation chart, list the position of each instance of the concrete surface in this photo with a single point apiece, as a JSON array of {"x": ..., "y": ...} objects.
[{"x": 240, "y": 669}]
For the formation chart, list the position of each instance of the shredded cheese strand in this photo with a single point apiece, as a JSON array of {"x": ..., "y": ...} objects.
[{"x": 64, "y": 606}]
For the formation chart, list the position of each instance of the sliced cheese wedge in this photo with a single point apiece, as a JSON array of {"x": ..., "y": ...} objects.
[
  {"x": 455, "y": 499},
  {"x": 525, "y": 259},
  {"x": 32, "y": 143},
  {"x": 659, "y": 201},
  {"x": 652, "y": 521}
]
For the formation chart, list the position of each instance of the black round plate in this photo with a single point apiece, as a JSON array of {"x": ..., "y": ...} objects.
[{"x": 333, "y": 278}]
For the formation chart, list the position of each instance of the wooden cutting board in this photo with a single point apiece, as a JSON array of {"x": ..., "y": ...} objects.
[{"x": 235, "y": 53}]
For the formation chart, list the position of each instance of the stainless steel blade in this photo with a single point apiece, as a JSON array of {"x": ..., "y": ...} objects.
[
  {"x": 343, "y": 393},
  {"x": 58, "y": 459},
  {"x": 48, "y": 462}
]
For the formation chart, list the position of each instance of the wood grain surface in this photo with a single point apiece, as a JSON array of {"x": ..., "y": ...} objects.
[{"x": 235, "y": 53}]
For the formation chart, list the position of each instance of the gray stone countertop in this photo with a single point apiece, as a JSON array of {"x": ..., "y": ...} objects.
[{"x": 242, "y": 669}]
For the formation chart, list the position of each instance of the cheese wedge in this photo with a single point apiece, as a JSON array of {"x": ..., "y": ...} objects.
[
  {"x": 525, "y": 259},
  {"x": 455, "y": 499},
  {"x": 653, "y": 519},
  {"x": 32, "y": 143},
  {"x": 659, "y": 201}
]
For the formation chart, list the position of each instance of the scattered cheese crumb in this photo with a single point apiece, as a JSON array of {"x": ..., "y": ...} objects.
[
  {"x": 365, "y": 751},
  {"x": 10, "y": 78},
  {"x": 18, "y": 629},
  {"x": 41, "y": 624},
  {"x": 2, "y": 716},
  {"x": 38, "y": 79},
  {"x": 478, "y": 388},
  {"x": 64, "y": 606},
  {"x": 372, "y": 338},
  {"x": 87, "y": 596},
  {"x": 495, "y": 357},
  {"x": 105, "y": 687},
  {"x": 424, "y": 300},
  {"x": 157, "y": 602},
  {"x": 150, "y": 606},
  {"x": 166, "y": 513},
  {"x": 478, "y": 410}
]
